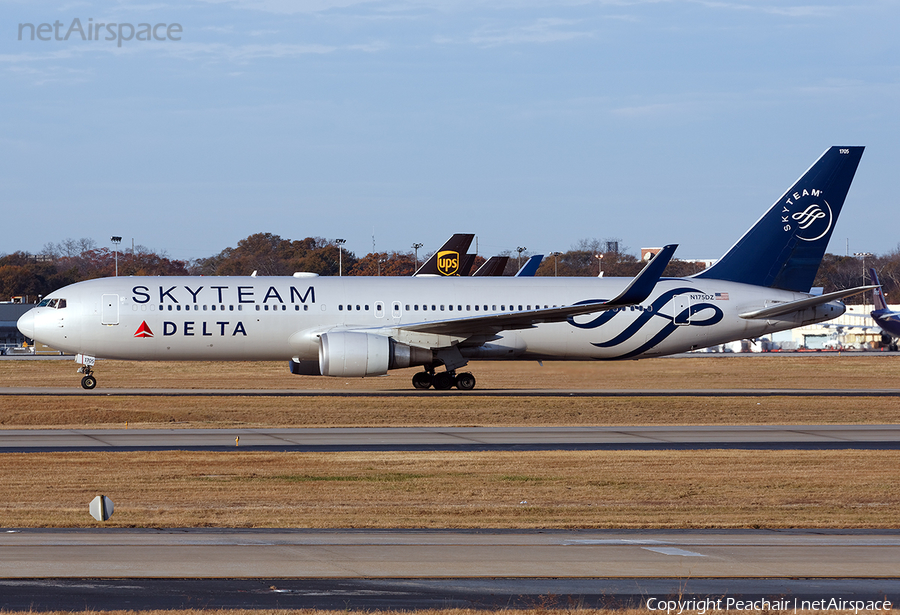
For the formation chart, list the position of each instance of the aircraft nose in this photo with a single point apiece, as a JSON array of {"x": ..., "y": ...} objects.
[{"x": 26, "y": 324}]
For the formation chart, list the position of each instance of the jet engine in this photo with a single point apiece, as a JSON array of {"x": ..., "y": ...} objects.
[{"x": 352, "y": 354}]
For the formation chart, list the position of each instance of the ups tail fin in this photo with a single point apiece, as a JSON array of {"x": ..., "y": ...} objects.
[
  {"x": 448, "y": 260},
  {"x": 878, "y": 299},
  {"x": 785, "y": 247}
]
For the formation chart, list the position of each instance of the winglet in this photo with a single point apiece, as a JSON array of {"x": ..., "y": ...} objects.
[{"x": 644, "y": 282}]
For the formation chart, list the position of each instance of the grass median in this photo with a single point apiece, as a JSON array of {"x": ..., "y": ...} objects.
[
  {"x": 552, "y": 489},
  {"x": 458, "y": 409}
]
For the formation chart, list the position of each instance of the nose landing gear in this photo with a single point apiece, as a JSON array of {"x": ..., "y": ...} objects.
[{"x": 89, "y": 381}]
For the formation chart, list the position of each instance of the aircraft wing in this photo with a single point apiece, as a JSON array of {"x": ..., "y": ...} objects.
[
  {"x": 788, "y": 307},
  {"x": 636, "y": 292}
]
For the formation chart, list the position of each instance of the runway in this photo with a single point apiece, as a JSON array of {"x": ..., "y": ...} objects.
[
  {"x": 806, "y": 437},
  {"x": 428, "y": 568},
  {"x": 90, "y": 594},
  {"x": 260, "y": 553},
  {"x": 75, "y": 391}
]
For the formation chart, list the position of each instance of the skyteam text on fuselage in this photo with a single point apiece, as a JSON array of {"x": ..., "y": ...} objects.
[{"x": 366, "y": 326}]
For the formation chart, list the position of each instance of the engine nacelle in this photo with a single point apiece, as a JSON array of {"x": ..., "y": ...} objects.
[
  {"x": 351, "y": 354},
  {"x": 304, "y": 368}
]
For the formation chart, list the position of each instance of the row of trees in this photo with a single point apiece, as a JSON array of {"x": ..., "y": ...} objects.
[{"x": 267, "y": 254}]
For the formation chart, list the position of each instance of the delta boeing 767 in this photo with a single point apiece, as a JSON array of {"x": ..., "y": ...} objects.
[{"x": 366, "y": 326}]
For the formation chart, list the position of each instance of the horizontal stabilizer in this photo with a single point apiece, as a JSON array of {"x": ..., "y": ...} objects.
[{"x": 789, "y": 307}]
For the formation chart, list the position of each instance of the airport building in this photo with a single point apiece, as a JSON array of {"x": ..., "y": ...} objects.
[{"x": 10, "y": 337}]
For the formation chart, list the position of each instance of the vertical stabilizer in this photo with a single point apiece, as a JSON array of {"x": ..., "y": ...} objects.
[
  {"x": 450, "y": 257},
  {"x": 878, "y": 299},
  {"x": 785, "y": 247}
]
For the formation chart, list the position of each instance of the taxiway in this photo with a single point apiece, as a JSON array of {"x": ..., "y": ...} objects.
[{"x": 878, "y": 437}]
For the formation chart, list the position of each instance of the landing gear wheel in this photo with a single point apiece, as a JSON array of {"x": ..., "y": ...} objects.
[
  {"x": 88, "y": 382},
  {"x": 465, "y": 382},
  {"x": 422, "y": 380},
  {"x": 443, "y": 381}
]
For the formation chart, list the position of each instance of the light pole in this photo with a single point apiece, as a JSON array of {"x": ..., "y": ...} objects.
[
  {"x": 599, "y": 258},
  {"x": 555, "y": 256},
  {"x": 116, "y": 241},
  {"x": 863, "y": 256},
  {"x": 340, "y": 243},
  {"x": 416, "y": 247},
  {"x": 520, "y": 249}
]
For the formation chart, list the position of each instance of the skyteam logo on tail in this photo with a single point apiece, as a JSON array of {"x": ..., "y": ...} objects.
[
  {"x": 448, "y": 262},
  {"x": 808, "y": 215}
]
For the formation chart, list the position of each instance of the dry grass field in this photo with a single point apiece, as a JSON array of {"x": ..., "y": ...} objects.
[
  {"x": 458, "y": 409},
  {"x": 550, "y": 489},
  {"x": 538, "y": 610},
  {"x": 535, "y": 611},
  {"x": 595, "y": 489},
  {"x": 789, "y": 371}
]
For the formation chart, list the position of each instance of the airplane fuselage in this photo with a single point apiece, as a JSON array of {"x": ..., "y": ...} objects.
[{"x": 280, "y": 318}]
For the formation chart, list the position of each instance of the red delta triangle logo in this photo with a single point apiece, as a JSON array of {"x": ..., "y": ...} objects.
[{"x": 143, "y": 331}]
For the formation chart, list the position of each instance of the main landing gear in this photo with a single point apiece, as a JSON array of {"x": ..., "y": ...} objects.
[
  {"x": 444, "y": 381},
  {"x": 88, "y": 382}
]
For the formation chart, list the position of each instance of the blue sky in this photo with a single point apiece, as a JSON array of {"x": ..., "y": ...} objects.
[{"x": 531, "y": 123}]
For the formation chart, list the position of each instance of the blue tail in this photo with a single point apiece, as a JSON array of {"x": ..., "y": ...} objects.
[
  {"x": 785, "y": 247},
  {"x": 877, "y": 295}
]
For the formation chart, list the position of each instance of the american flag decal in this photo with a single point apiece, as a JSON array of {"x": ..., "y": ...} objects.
[{"x": 721, "y": 296}]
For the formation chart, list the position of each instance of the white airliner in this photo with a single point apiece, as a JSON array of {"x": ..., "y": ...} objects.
[{"x": 365, "y": 326}]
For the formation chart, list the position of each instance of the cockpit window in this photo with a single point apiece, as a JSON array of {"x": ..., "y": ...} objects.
[{"x": 57, "y": 304}]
